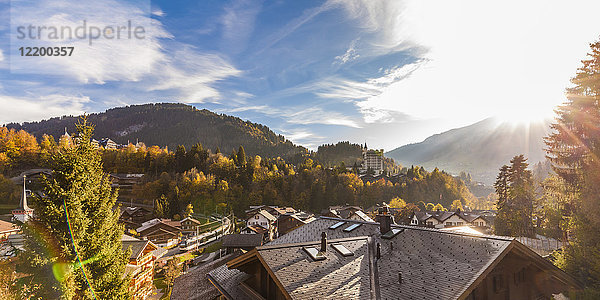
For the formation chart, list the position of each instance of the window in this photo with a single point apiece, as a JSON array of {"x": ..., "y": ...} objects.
[
  {"x": 351, "y": 227},
  {"x": 498, "y": 283},
  {"x": 429, "y": 223},
  {"x": 256, "y": 217},
  {"x": 336, "y": 225},
  {"x": 448, "y": 223},
  {"x": 342, "y": 250},
  {"x": 459, "y": 223},
  {"x": 314, "y": 253},
  {"x": 392, "y": 233}
]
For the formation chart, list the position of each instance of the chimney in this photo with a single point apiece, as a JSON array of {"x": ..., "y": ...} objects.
[
  {"x": 323, "y": 241},
  {"x": 385, "y": 219}
]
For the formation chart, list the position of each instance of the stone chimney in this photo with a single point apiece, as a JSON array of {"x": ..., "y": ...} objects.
[
  {"x": 323, "y": 241},
  {"x": 385, "y": 219}
]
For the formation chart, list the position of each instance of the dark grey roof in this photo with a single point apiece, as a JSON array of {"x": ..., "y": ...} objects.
[
  {"x": 242, "y": 240},
  {"x": 434, "y": 264},
  {"x": 136, "y": 247},
  {"x": 336, "y": 277},
  {"x": 195, "y": 283},
  {"x": 228, "y": 282}
]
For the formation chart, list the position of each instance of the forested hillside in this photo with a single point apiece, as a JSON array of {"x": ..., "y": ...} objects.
[
  {"x": 168, "y": 124},
  {"x": 234, "y": 181}
]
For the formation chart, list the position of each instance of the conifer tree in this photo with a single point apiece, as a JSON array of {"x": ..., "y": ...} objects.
[
  {"x": 241, "y": 156},
  {"x": 73, "y": 245},
  {"x": 574, "y": 150}
]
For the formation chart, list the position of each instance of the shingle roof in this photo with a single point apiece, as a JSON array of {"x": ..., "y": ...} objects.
[
  {"x": 227, "y": 282},
  {"x": 444, "y": 215},
  {"x": 433, "y": 263},
  {"x": 267, "y": 215},
  {"x": 191, "y": 220},
  {"x": 242, "y": 240},
  {"x": 425, "y": 256},
  {"x": 257, "y": 228},
  {"x": 363, "y": 216},
  {"x": 336, "y": 277},
  {"x": 195, "y": 284},
  {"x": 136, "y": 247}
]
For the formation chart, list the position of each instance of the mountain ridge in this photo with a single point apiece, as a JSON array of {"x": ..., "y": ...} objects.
[
  {"x": 173, "y": 124},
  {"x": 480, "y": 148}
]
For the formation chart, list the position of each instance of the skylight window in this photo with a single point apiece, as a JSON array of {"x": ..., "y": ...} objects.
[
  {"x": 336, "y": 225},
  {"x": 392, "y": 233},
  {"x": 314, "y": 253},
  {"x": 352, "y": 227},
  {"x": 342, "y": 250}
]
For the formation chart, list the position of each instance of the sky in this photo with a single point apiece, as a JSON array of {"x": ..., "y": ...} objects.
[{"x": 386, "y": 73}]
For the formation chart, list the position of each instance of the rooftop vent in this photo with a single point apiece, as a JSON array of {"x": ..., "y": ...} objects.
[
  {"x": 323, "y": 241},
  {"x": 352, "y": 227},
  {"x": 385, "y": 219},
  {"x": 336, "y": 225}
]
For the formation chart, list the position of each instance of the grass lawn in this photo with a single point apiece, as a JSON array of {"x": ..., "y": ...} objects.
[
  {"x": 187, "y": 256},
  {"x": 213, "y": 247}
]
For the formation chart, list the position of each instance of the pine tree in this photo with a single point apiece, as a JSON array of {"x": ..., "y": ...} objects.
[
  {"x": 574, "y": 150},
  {"x": 514, "y": 186},
  {"x": 501, "y": 224},
  {"x": 522, "y": 196},
  {"x": 241, "y": 156},
  {"x": 73, "y": 244}
]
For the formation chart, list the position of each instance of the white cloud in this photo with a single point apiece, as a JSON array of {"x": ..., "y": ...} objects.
[
  {"x": 238, "y": 24},
  {"x": 124, "y": 59},
  {"x": 158, "y": 12},
  {"x": 192, "y": 74},
  {"x": 478, "y": 58},
  {"x": 154, "y": 63},
  {"x": 35, "y": 108},
  {"x": 301, "y": 115},
  {"x": 350, "y": 55}
]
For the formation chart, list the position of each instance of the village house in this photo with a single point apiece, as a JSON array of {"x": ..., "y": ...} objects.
[
  {"x": 344, "y": 259},
  {"x": 162, "y": 232},
  {"x": 442, "y": 219},
  {"x": 189, "y": 226},
  {"x": 346, "y": 212},
  {"x": 108, "y": 144},
  {"x": 133, "y": 217},
  {"x": 263, "y": 219},
  {"x": 289, "y": 222},
  {"x": 276, "y": 211},
  {"x": 140, "y": 266},
  {"x": 241, "y": 242}
]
